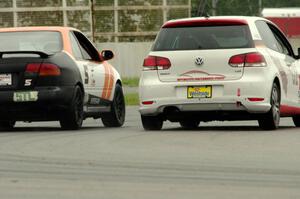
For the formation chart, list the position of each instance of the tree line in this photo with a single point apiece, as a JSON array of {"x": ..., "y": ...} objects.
[{"x": 238, "y": 7}]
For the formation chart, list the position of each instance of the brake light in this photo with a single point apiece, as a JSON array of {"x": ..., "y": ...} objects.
[
  {"x": 48, "y": 69},
  {"x": 33, "y": 68},
  {"x": 156, "y": 63},
  {"x": 254, "y": 59},
  {"x": 43, "y": 69}
]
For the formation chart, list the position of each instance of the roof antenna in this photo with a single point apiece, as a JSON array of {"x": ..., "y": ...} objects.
[{"x": 206, "y": 15}]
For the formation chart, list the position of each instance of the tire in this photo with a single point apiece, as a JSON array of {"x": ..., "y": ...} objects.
[
  {"x": 116, "y": 117},
  {"x": 73, "y": 117},
  {"x": 296, "y": 120},
  {"x": 189, "y": 124},
  {"x": 154, "y": 123},
  {"x": 7, "y": 125},
  {"x": 270, "y": 120}
]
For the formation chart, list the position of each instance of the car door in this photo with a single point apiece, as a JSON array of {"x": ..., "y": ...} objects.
[{"x": 92, "y": 70}]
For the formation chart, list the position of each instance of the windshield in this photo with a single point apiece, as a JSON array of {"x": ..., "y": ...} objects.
[
  {"x": 49, "y": 42},
  {"x": 203, "y": 37}
]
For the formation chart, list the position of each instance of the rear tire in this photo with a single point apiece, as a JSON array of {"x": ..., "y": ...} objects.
[
  {"x": 116, "y": 117},
  {"x": 272, "y": 118},
  {"x": 189, "y": 124},
  {"x": 154, "y": 123},
  {"x": 73, "y": 117},
  {"x": 296, "y": 120},
  {"x": 7, "y": 125}
]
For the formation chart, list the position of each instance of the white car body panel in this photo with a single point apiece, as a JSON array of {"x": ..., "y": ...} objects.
[{"x": 95, "y": 81}]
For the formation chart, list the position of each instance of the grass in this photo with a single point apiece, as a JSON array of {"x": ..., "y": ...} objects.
[
  {"x": 131, "y": 81},
  {"x": 132, "y": 99}
]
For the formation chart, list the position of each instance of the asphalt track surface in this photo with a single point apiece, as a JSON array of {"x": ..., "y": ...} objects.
[{"x": 225, "y": 160}]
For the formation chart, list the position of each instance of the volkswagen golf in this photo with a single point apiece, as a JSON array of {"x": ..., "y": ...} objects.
[{"x": 219, "y": 68}]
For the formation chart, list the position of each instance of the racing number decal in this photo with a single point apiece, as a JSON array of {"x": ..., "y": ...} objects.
[{"x": 86, "y": 74}]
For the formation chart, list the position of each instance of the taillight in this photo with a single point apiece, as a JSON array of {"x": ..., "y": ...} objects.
[
  {"x": 33, "y": 68},
  {"x": 156, "y": 63},
  {"x": 43, "y": 69},
  {"x": 254, "y": 59},
  {"x": 49, "y": 70}
]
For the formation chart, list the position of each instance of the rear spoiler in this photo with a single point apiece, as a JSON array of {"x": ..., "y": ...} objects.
[{"x": 41, "y": 54}]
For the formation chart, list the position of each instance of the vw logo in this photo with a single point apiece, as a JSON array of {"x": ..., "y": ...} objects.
[{"x": 199, "y": 61}]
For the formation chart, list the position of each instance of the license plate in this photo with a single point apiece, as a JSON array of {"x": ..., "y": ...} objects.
[
  {"x": 199, "y": 91},
  {"x": 27, "y": 96},
  {"x": 5, "y": 80}
]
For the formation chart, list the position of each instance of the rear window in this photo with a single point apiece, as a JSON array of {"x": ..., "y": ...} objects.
[
  {"x": 203, "y": 37},
  {"x": 49, "y": 42}
]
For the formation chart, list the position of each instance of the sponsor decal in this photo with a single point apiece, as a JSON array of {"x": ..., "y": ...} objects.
[
  {"x": 200, "y": 78},
  {"x": 5, "y": 79},
  {"x": 282, "y": 74},
  {"x": 188, "y": 76},
  {"x": 86, "y": 74},
  {"x": 284, "y": 80},
  {"x": 94, "y": 101}
]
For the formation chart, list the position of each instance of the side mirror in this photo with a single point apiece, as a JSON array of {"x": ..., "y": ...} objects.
[{"x": 107, "y": 55}]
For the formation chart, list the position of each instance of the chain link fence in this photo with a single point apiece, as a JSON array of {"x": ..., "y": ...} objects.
[{"x": 101, "y": 20}]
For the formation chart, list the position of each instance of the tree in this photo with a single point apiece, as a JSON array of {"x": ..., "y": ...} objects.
[{"x": 242, "y": 7}]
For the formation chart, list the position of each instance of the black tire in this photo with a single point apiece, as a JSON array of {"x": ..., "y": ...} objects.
[
  {"x": 154, "y": 123},
  {"x": 73, "y": 116},
  {"x": 116, "y": 117},
  {"x": 7, "y": 125},
  {"x": 270, "y": 120},
  {"x": 189, "y": 124},
  {"x": 296, "y": 120}
]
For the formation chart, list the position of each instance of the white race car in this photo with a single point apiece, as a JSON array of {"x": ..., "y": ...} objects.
[{"x": 220, "y": 68}]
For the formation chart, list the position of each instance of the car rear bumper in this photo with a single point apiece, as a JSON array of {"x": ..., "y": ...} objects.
[
  {"x": 50, "y": 104},
  {"x": 236, "y": 104},
  {"x": 232, "y": 95}
]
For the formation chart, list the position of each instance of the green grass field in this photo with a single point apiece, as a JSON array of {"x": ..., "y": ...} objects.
[
  {"x": 132, "y": 99},
  {"x": 131, "y": 82}
]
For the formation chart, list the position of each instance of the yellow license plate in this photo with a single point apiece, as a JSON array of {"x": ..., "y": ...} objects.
[{"x": 199, "y": 92}]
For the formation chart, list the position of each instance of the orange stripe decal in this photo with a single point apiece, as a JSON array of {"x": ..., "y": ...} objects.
[
  {"x": 108, "y": 83},
  {"x": 111, "y": 82},
  {"x": 104, "y": 92}
]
